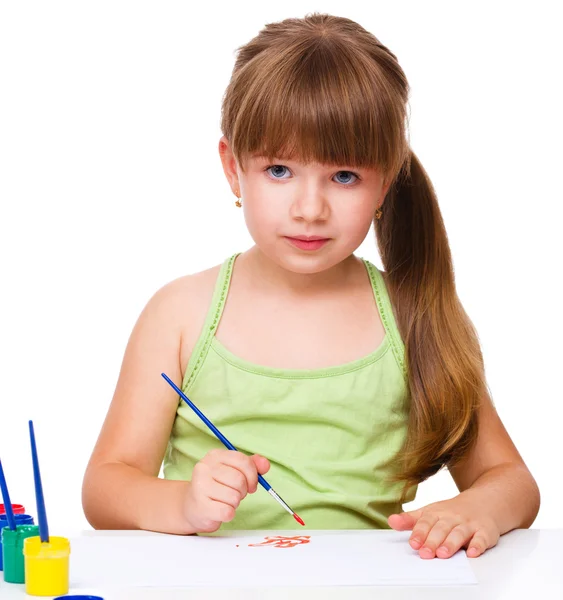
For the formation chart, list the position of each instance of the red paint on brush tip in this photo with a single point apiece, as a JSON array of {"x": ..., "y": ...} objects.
[{"x": 298, "y": 519}]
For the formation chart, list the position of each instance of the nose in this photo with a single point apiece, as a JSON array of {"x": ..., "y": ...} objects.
[{"x": 310, "y": 204}]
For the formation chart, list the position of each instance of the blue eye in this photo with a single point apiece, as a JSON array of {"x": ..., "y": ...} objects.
[
  {"x": 282, "y": 167},
  {"x": 349, "y": 173},
  {"x": 275, "y": 166}
]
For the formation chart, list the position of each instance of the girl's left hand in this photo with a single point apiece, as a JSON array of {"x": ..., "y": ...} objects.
[{"x": 440, "y": 529}]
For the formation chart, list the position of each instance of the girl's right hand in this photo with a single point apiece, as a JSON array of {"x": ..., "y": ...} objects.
[{"x": 220, "y": 480}]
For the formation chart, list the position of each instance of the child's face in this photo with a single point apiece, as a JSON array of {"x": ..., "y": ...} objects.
[{"x": 285, "y": 199}]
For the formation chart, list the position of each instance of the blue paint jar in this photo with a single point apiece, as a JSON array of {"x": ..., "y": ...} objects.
[
  {"x": 20, "y": 520},
  {"x": 78, "y": 596}
]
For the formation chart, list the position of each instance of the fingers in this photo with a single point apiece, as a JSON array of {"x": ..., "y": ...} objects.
[
  {"x": 432, "y": 534},
  {"x": 213, "y": 513},
  {"x": 445, "y": 539},
  {"x": 421, "y": 530},
  {"x": 440, "y": 529},
  {"x": 236, "y": 460},
  {"x": 221, "y": 480},
  {"x": 219, "y": 483},
  {"x": 228, "y": 485},
  {"x": 429, "y": 533},
  {"x": 479, "y": 543},
  {"x": 405, "y": 520},
  {"x": 262, "y": 463},
  {"x": 451, "y": 543}
]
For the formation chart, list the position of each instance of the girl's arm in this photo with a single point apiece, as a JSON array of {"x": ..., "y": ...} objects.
[
  {"x": 495, "y": 474},
  {"x": 121, "y": 488},
  {"x": 497, "y": 494}
]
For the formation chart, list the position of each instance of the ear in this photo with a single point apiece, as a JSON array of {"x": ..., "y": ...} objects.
[
  {"x": 229, "y": 164},
  {"x": 386, "y": 186}
]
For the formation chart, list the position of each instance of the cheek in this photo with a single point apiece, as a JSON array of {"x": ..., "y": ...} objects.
[
  {"x": 260, "y": 219},
  {"x": 356, "y": 220}
]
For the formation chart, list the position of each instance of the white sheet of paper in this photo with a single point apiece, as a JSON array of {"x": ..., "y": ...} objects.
[{"x": 345, "y": 558}]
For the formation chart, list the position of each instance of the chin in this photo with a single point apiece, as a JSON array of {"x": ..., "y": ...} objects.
[
  {"x": 306, "y": 264},
  {"x": 302, "y": 261}
]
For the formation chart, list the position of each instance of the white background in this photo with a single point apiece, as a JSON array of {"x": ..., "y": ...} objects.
[{"x": 111, "y": 186}]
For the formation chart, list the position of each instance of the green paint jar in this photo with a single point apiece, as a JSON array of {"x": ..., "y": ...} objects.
[{"x": 12, "y": 551}]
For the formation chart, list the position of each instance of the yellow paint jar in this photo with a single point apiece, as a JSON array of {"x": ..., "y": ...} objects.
[{"x": 46, "y": 566}]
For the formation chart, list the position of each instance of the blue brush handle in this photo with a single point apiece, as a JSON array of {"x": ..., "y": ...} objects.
[
  {"x": 7, "y": 503},
  {"x": 41, "y": 512},
  {"x": 209, "y": 424}
]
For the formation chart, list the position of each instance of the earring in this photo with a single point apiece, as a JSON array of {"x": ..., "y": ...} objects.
[
  {"x": 238, "y": 202},
  {"x": 378, "y": 213}
]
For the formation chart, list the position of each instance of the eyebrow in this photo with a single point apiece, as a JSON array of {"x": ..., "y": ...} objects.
[
  {"x": 288, "y": 159},
  {"x": 260, "y": 155},
  {"x": 275, "y": 157}
]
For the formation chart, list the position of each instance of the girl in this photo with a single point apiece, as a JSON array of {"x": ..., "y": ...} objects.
[{"x": 346, "y": 384}]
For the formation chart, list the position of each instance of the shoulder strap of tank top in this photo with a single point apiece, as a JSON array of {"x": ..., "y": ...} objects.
[
  {"x": 386, "y": 311},
  {"x": 211, "y": 321}
]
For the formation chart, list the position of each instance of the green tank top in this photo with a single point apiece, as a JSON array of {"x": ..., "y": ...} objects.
[{"x": 331, "y": 434}]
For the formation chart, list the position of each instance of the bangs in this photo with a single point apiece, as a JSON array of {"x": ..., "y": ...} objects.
[{"x": 320, "y": 104}]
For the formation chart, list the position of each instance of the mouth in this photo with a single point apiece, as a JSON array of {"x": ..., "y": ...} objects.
[
  {"x": 307, "y": 242},
  {"x": 308, "y": 238}
]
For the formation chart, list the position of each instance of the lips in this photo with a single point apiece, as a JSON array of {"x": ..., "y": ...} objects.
[
  {"x": 308, "y": 238},
  {"x": 310, "y": 242}
]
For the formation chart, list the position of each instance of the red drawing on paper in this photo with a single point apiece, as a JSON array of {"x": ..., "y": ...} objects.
[{"x": 282, "y": 541}]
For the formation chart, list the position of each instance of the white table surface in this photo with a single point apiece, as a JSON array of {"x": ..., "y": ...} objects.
[{"x": 526, "y": 563}]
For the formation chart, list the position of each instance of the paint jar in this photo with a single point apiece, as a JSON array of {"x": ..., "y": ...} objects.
[
  {"x": 46, "y": 566},
  {"x": 77, "y": 596},
  {"x": 20, "y": 520},
  {"x": 17, "y": 509},
  {"x": 12, "y": 550}
]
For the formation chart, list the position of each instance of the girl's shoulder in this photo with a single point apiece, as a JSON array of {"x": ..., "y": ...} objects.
[
  {"x": 187, "y": 300},
  {"x": 187, "y": 291},
  {"x": 180, "y": 306}
]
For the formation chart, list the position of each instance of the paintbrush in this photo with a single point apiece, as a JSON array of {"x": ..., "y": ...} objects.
[{"x": 228, "y": 444}]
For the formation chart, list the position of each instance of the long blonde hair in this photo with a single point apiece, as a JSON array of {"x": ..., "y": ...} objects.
[{"x": 324, "y": 89}]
